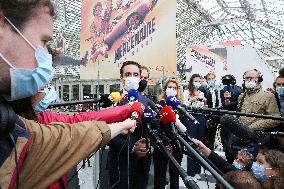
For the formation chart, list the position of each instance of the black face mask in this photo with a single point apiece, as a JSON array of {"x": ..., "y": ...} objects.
[
  {"x": 227, "y": 82},
  {"x": 142, "y": 85}
]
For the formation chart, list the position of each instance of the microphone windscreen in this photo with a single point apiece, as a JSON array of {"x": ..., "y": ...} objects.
[
  {"x": 132, "y": 95},
  {"x": 142, "y": 85},
  {"x": 167, "y": 115},
  {"x": 105, "y": 102},
  {"x": 233, "y": 125},
  {"x": 137, "y": 107},
  {"x": 172, "y": 101},
  {"x": 281, "y": 72},
  {"x": 147, "y": 115},
  {"x": 116, "y": 97}
]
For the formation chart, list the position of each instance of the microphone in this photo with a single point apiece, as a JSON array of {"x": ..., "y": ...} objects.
[
  {"x": 281, "y": 72},
  {"x": 153, "y": 106},
  {"x": 147, "y": 119},
  {"x": 232, "y": 124},
  {"x": 175, "y": 103},
  {"x": 142, "y": 85},
  {"x": 180, "y": 126},
  {"x": 168, "y": 116},
  {"x": 115, "y": 96},
  {"x": 132, "y": 95},
  {"x": 105, "y": 101},
  {"x": 137, "y": 110}
]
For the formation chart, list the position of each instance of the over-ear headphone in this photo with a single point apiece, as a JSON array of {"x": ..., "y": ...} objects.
[
  {"x": 7, "y": 119},
  {"x": 259, "y": 79}
]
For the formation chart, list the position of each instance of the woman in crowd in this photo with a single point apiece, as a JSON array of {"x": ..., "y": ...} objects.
[
  {"x": 268, "y": 167},
  {"x": 196, "y": 99},
  {"x": 171, "y": 88}
]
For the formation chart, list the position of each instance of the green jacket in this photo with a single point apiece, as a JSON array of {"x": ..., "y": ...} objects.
[{"x": 260, "y": 102}]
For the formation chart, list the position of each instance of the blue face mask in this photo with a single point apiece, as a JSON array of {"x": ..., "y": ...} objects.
[
  {"x": 26, "y": 82},
  {"x": 196, "y": 85},
  {"x": 50, "y": 96},
  {"x": 259, "y": 172},
  {"x": 280, "y": 91},
  {"x": 211, "y": 83},
  {"x": 238, "y": 165}
]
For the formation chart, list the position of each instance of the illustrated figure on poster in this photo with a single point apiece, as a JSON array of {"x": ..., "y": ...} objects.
[
  {"x": 60, "y": 42},
  {"x": 110, "y": 23}
]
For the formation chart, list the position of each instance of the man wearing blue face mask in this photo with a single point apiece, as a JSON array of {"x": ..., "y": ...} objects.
[
  {"x": 33, "y": 155},
  {"x": 278, "y": 142},
  {"x": 279, "y": 89}
]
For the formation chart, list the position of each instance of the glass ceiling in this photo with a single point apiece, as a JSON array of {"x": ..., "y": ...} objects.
[{"x": 259, "y": 23}]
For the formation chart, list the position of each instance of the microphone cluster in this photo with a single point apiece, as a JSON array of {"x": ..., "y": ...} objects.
[{"x": 168, "y": 118}]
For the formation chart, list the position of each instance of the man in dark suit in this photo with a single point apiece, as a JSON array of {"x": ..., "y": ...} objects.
[
  {"x": 129, "y": 172},
  {"x": 212, "y": 97}
]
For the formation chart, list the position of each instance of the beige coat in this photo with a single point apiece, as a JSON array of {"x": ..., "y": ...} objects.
[
  {"x": 260, "y": 102},
  {"x": 54, "y": 150}
]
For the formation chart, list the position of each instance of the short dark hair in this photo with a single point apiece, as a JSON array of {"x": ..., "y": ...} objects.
[
  {"x": 126, "y": 63},
  {"x": 19, "y": 11},
  {"x": 242, "y": 180},
  {"x": 145, "y": 68}
]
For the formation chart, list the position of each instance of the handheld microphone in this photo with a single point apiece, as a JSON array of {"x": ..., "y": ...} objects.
[
  {"x": 175, "y": 103},
  {"x": 132, "y": 95},
  {"x": 137, "y": 110},
  {"x": 105, "y": 101},
  {"x": 115, "y": 96},
  {"x": 168, "y": 116},
  {"x": 233, "y": 125},
  {"x": 180, "y": 126}
]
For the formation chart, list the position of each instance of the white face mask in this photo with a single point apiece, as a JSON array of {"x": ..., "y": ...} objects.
[
  {"x": 171, "y": 92},
  {"x": 131, "y": 83},
  {"x": 250, "y": 84}
]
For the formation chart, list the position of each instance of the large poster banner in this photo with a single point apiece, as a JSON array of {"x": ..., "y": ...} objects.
[
  {"x": 202, "y": 61},
  {"x": 113, "y": 31}
]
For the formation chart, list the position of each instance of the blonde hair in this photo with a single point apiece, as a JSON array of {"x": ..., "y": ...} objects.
[{"x": 163, "y": 95}]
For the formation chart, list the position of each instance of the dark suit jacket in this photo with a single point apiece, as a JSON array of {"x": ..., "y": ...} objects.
[{"x": 119, "y": 145}]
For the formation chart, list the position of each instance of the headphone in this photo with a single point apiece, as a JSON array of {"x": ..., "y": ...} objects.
[
  {"x": 7, "y": 119},
  {"x": 231, "y": 77},
  {"x": 259, "y": 78}
]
